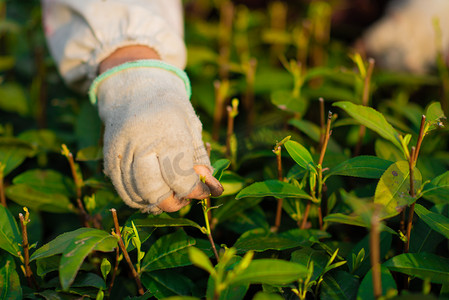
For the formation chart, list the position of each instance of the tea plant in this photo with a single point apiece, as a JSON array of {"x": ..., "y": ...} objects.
[{"x": 335, "y": 172}]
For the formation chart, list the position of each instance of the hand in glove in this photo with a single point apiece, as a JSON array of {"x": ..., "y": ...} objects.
[{"x": 153, "y": 150}]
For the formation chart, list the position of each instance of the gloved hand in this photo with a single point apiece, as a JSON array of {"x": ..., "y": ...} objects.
[
  {"x": 153, "y": 150},
  {"x": 404, "y": 39}
]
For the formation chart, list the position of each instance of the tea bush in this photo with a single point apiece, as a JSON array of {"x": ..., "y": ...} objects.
[{"x": 335, "y": 171}]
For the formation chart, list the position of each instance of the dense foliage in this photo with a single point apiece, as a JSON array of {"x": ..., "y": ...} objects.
[{"x": 335, "y": 172}]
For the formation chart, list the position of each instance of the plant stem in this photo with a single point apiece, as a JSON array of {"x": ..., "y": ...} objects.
[
  {"x": 326, "y": 139},
  {"x": 375, "y": 254},
  {"x": 114, "y": 272},
  {"x": 420, "y": 138},
  {"x": 365, "y": 100},
  {"x": 306, "y": 215},
  {"x": 26, "y": 254},
  {"x": 320, "y": 176},
  {"x": 322, "y": 124},
  {"x": 412, "y": 194},
  {"x": 208, "y": 231},
  {"x": 125, "y": 252},
  {"x": 277, "y": 222},
  {"x": 78, "y": 184}
]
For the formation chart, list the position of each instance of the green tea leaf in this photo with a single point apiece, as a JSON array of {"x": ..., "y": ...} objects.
[
  {"x": 339, "y": 285},
  {"x": 423, "y": 238},
  {"x": 219, "y": 167},
  {"x": 437, "y": 222},
  {"x": 274, "y": 188},
  {"x": 168, "y": 252},
  {"x": 434, "y": 112},
  {"x": 10, "y": 237},
  {"x": 307, "y": 255},
  {"x": 372, "y": 119},
  {"x": 13, "y": 98},
  {"x": 199, "y": 259},
  {"x": 361, "y": 166},
  {"x": 10, "y": 287},
  {"x": 59, "y": 244},
  {"x": 270, "y": 271},
  {"x": 25, "y": 195},
  {"x": 77, "y": 250},
  {"x": 422, "y": 265},
  {"x": 232, "y": 183},
  {"x": 307, "y": 127},
  {"x": 263, "y": 243},
  {"x": 43, "y": 139},
  {"x": 438, "y": 189},
  {"x": 285, "y": 100},
  {"x": 165, "y": 221},
  {"x": 105, "y": 267},
  {"x": 46, "y": 181},
  {"x": 385, "y": 246},
  {"x": 229, "y": 209},
  {"x": 366, "y": 286},
  {"x": 353, "y": 220},
  {"x": 47, "y": 264},
  {"x": 300, "y": 155},
  {"x": 393, "y": 189},
  {"x": 13, "y": 152},
  {"x": 91, "y": 153},
  {"x": 89, "y": 280},
  {"x": 166, "y": 283}
]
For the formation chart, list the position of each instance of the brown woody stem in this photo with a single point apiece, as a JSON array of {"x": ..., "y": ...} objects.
[
  {"x": 125, "y": 252},
  {"x": 420, "y": 138},
  {"x": 375, "y": 254},
  {"x": 306, "y": 215},
  {"x": 277, "y": 222},
  {"x": 114, "y": 272},
  {"x": 412, "y": 194},
  {"x": 26, "y": 252}
]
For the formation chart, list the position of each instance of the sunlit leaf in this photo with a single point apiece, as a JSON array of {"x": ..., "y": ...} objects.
[
  {"x": 27, "y": 196},
  {"x": 165, "y": 222},
  {"x": 393, "y": 189},
  {"x": 300, "y": 155},
  {"x": 219, "y": 167},
  {"x": 46, "y": 181},
  {"x": 372, "y": 119},
  {"x": 361, "y": 166},
  {"x": 270, "y": 271},
  {"x": 274, "y": 188},
  {"x": 77, "y": 250},
  {"x": 91, "y": 153}
]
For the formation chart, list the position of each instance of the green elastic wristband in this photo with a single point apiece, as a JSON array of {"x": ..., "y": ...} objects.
[{"x": 148, "y": 63}]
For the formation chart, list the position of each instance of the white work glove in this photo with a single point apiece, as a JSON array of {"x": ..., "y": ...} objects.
[
  {"x": 152, "y": 140},
  {"x": 404, "y": 39}
]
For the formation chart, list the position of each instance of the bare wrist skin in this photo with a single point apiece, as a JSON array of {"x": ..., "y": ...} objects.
[{"x": 126, "y": 54}]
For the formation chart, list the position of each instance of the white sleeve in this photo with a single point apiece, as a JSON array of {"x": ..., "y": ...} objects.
[{"x": 82, "y": 33}]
